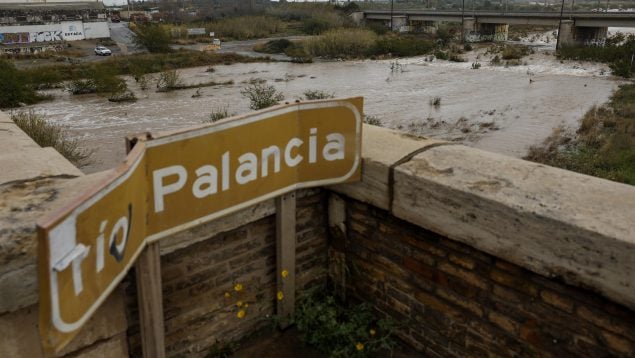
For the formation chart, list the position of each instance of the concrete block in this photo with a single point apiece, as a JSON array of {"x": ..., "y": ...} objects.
[
  {"x": 22, "y": 204},
  {"x": 23, "y": 159},
  {"x": 381, "y": 148},
  {"x": 551, "y": 221},
  {"x": 20, "y": 336}
]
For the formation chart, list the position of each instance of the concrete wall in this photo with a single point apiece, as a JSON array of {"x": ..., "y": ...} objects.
[{"x": 65, "y": 30}]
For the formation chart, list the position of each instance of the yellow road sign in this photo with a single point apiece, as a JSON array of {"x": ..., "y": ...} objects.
[{"x": 181, "y": 180}]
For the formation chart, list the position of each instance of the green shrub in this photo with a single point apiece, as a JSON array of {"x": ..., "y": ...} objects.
[
  {"x": 261, "y": 95},
  {"x": 341, "y": 330},
  {"x": 154, "y": 38},
  {"x": 274, "y": 46},
  {"x": 168, "y": 80},
  {"x": 298, "y": 53},
  {"x": 82, "y": 86},
  {"x": 373, "y": 121},
  {"x": 47, "y": 134},
  {"x": 342, "y": 43},
  {"x": 246, "y": 27},
  {"x": 320, "y": 23},
  {"x": 402, "y": 45},
  {"x": 14, "y": 87},
  {"x": 515, "y": 52}
]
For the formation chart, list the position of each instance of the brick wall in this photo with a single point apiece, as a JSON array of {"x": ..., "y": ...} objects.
[
  {"x": 196, "y": 278},
  {"x": 453, "y": 300}
]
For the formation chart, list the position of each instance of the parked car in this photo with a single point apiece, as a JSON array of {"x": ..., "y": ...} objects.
[{"x": 102, "y": 51}]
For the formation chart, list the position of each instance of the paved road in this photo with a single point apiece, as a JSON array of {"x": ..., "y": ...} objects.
[{"x": 121, "y": 34}]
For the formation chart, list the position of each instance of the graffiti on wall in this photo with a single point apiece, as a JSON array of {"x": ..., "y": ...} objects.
[
  {"x": 30, "y": 37},
  {"x": 475, "y": 36},
  {"x": 15, "y": 38},
  {"x": 46, "y": 36}
]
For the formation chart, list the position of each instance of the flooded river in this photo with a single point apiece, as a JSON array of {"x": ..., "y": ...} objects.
[{"x": 493, "y": 108}]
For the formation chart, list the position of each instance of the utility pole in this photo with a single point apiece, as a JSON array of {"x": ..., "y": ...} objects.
[
  {"x": 392, "y": 4},
  {"x": 560, "y": 26}
]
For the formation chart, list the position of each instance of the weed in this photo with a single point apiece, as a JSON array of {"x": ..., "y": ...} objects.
[
  {"x": 47, "y": 134},
  {"x": 476, "y": 65},
  {"x": 217, "y": 114},
  {"x": 435, "y": 102},
  {"x": 317, "y": 94},
  {"x": 261, "y": 95},
  {"x": 168, "y": 81},
  {"x": 373, "y": 121},
  {"x": 342, "y": 330}
]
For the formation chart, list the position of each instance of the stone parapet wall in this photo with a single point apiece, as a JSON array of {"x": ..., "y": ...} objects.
[{"x": 475, "y": 253}]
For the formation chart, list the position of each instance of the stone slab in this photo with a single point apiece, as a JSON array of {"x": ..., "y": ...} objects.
[
  {"x": 554, "y": 222},
  {"x": 381, "y": 148}
]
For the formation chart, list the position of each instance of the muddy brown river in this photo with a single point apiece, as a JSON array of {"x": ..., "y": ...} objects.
[{"x": 495, "y": 108}]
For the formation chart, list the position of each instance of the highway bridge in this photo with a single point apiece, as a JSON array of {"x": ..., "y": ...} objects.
[{"x": 576, "y": 27}]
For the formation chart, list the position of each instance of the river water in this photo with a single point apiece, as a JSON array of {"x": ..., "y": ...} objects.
[{"x": 495, "y": 108}]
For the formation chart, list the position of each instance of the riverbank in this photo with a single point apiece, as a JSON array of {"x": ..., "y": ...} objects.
[{"x": 603, "y": 145}]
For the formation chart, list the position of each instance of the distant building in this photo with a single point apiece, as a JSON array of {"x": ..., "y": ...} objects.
[{"x": 33, "y": 26}]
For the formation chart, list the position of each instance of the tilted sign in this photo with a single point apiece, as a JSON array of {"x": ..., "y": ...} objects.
[
  {"x": 196, "y": 31},
  {"x": 180, "y": 180}
]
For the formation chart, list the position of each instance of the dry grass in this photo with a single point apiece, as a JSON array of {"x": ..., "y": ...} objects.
[{"x": 47, "y": 134}]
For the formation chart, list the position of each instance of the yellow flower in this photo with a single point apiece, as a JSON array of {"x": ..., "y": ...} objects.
[
  {"x": 284, "y": 273},
  {"x": 246, "y": 305},
  {"x": 240, "y": 314},
  {"x": 227, "y": 295},
  {"x": 359, "y": 346},
  {"x": 239, "y": 304},
  {"x": 280, "y": 295},
  {"x": 372, "y": 332},
  {"x": 238, "y": 287}
]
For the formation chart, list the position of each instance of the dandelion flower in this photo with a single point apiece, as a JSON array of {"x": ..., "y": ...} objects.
[
  {"x": 359, "y": 346},
  {"x": 227, "y": 295},
  {"x": 372, "y": 332},
  {"x": 246, "y": 305},
  {"x": 280, "y": 295},
  {"x": 284, "y": 273},
  {"x": 239, "y": 304},
  {"x": 240, "y": 314},
  {"x": 238, "y": 287}
]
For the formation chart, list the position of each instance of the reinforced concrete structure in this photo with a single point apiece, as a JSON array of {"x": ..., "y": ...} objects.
[{"x": 578, "y": 28}]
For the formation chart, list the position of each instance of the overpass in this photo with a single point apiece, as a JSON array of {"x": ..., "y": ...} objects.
[{"x": 576, "y": 27}]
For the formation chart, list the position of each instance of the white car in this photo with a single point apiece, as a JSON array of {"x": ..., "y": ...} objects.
[{"x": 102, "y": 51}]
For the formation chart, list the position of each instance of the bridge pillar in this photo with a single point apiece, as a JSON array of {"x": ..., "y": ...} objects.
[
  {"x": 474, "y": 31},
  {"x": 571, "y": 35},
  {"x": 400, "y": 23}
]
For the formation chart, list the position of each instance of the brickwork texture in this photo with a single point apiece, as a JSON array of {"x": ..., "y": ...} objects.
[{"x": 452, "y": 300}]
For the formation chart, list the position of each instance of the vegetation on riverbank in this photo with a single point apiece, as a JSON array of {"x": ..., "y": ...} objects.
[
  {"x": 603, "y": 146},
  {"x": 47, "y": 134},
  {"x": 15, "y": 90},
  {"x": 100, "y": 77},
  {"x": 618, "y": 51}
]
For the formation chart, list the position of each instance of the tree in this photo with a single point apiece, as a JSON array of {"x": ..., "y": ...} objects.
[
  {"x": 153, "y": 37},
  {"x": 14, "y": 87}
]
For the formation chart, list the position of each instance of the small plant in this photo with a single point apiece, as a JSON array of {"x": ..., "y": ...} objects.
[
  {"x": 435, "y": 102},
  {"x": 217, "y": 114},
  {"x": 261, "y": 95},
  {"x": 342, "y": 330},
  {"x": 168, "y": 81},
  {"x": 467, "y": 47},
  {"x": 47, "y": 134},
  {"x": 126, "y": 96},
  {"x": 82, "y": 86},
  {"x": 317, "y": 94},
  {"x": 476, "y": 65},
  {"x": 373, "y": 121}
]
